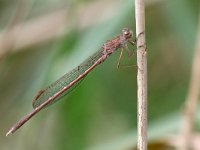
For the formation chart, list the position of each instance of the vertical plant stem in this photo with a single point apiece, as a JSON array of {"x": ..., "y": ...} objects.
[
  {"x": 142, "y": 74},
  {"x": 192, "y": 98}
]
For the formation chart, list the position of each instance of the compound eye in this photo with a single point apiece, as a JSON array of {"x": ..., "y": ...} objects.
[{"x": 125, "y": 31}]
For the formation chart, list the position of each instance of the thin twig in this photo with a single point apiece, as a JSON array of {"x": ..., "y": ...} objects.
[
  {"x": 142, "y": 74},
  {"x": 192, "y": 98}
]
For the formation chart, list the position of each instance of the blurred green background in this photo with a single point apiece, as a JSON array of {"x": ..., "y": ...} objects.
[{"x": 43, "y": 39}]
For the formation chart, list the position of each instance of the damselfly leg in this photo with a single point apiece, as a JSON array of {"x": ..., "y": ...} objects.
[{"x": 130, "y": 53}]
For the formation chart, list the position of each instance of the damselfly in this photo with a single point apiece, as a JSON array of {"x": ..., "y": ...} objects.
[{"x": 62, "y": 86}]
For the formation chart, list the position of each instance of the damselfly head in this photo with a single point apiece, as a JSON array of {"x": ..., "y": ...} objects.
[{"x": 127, "y": 33}]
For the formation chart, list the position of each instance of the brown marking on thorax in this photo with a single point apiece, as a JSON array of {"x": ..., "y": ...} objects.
[{"x": 113, "y": 44}]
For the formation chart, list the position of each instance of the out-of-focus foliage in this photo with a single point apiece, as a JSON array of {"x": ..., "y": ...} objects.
[{"x": 101, "y": 112}]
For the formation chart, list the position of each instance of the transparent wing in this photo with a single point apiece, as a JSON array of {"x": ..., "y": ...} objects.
[{"x": 64, "y": 81}]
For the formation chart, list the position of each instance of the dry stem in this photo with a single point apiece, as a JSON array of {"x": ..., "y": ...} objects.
[
  {"x": 192, "y": 98},
  {"x": 142, "y": 74}
]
